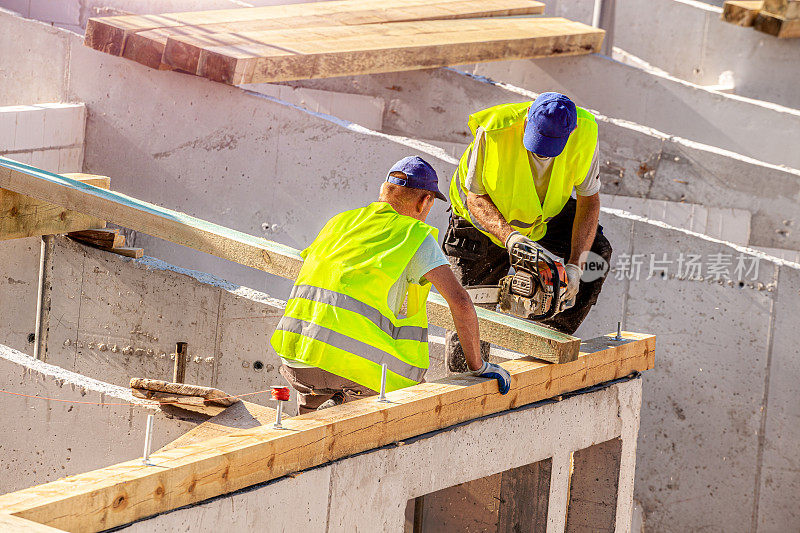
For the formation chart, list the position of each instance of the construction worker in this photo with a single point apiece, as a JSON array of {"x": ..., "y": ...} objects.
[
  {"x": 513, "y": 188},
  {"x": 359, "y": 300}
]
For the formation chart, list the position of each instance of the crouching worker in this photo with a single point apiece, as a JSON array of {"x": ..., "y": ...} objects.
[{"x": 359, "y": 300}]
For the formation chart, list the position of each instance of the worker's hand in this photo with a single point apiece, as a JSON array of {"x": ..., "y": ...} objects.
[
  {"x": 493, "y": 371},
  {"x": 518, "y": 239},
  {"x": 574, "y": 273}
]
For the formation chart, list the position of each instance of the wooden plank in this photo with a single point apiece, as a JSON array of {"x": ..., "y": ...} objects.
[
  {"x": 102, "y": 238},
  {"x": 185, "y": 389},
  {"x": 515, "y": 334},
  {"x": 128, "y": 491},
  {"x": 741, "y": 12},
  {"x": 788, "y": 9},
  {"x": 593, "y": 488},
  {"x": 777, "y": 26},
  {"x": 127, "y": 251},
  {"x": 242, "y": 415},
  {"x": 113, "y": 34},
  {"x": 13, "y": 524},
  {"x": 186, "y": 58},
  {"x": 189, "y": 403},
  {"x": 270, "y": 56},
  {"x": 23, "y": 216}
]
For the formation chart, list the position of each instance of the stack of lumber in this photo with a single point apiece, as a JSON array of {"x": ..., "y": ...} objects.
[
  {"x": 338, "y": 38},
  {"x": 206, "y": 400},
  {"x": 107, "y": 239},
  {"x": 780, "y": 18}
]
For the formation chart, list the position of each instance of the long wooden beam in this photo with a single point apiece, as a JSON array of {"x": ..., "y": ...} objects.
[
  {"x": 181, "y": 476},
  {"x": 518, "y": 335},
  {"x": 148, "y": 46},
  {"x": 284, "y": 55}
]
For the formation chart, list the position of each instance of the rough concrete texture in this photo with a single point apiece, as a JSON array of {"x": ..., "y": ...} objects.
[
  {"x": 636, "y": 160},
  {"x": 43, "y": 440},
  {"x": 47, "y": 136},
  {"x": 691, "y": 42},
  {"x": 380, "y": 482},
  {"x": 660, "y": 101},
  {"x": 19, "y": 264},
  {"x": 705, "y": 457}
]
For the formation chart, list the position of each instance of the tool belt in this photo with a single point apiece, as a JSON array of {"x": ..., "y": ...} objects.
[{"x": 462, "y": 240}]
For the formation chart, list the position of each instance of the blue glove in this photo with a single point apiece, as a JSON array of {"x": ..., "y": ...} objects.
[{"x": 493, "y": 371}]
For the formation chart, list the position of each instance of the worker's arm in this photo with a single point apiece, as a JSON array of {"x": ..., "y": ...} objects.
[
  {"x": 466, "y": 321},
  {"x": 483, "y": 210},
  {"x": 584, "y": 227}
]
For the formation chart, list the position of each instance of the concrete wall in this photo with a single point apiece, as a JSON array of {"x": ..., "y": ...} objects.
[
  {"x": 691, "y": 42},
  {"x": 113, "y": 318},
  {"x": 43, "y": 440},
  {"x": 712, "y": 454},
  {"x": 369, "y": 492},
  {"x": 47, "y": 136}
]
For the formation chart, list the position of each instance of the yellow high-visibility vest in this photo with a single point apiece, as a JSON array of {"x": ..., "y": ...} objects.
[
  {"x": 338, "y": 316},
  {"x": 507, "y": 175}
]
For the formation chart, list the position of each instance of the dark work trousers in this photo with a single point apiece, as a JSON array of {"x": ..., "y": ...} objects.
[{"x": 476, "y": 260}]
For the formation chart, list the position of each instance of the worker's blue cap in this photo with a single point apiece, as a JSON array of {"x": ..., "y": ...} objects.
[
  {"x": 551, "y": 118},
  {"x": 419, "y": 175}
]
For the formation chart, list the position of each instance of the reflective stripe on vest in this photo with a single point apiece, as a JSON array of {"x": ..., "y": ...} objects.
[
  {"x": 343, "y": 301},
  {"x": 338, "y": 317},
  {"x": 354, "y": 346},
  {"x": 507, "y": 175}
]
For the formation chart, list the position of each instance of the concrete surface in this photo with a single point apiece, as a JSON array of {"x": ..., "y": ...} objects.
[
  {"x": 706, "y": 460},
  {"x": 731, "y": 225},
  {"x": 691, "y": 42},
  {"x": 43, "y": 440},
  {"x": 687, "y": 39},
  {"x": 47, "y": 136},
  {"x": 380, "y": 482}
]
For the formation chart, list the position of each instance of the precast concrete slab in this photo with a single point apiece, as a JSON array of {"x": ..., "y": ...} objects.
[{"x": 52, "y": 427}]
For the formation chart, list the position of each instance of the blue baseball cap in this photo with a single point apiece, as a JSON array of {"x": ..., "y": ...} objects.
[
  {"x": 551, "y": 118},
  {"x": 419, "y": 175}
]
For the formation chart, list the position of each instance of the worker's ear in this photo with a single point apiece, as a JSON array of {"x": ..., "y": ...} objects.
[{"x": 425, "y": 203}]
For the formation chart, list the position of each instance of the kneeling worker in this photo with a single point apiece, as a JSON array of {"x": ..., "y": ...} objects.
[{"x": 345, "y": 315}]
